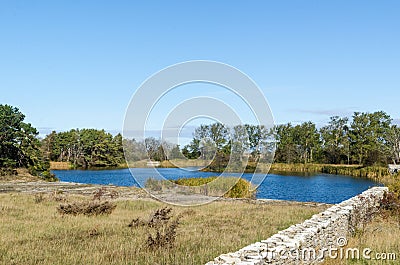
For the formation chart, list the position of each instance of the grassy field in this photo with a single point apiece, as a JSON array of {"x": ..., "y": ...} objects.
[
  {"x": 33, "y": 232},
  {"x": 382, "y": 237}
]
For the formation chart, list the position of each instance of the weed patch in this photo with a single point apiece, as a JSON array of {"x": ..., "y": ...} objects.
[
  {"x": 87, "y": 208},
  {"x": 161, "y": 228}
]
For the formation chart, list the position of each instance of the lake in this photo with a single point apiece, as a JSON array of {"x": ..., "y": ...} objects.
[{"x": 324, "y": 188}]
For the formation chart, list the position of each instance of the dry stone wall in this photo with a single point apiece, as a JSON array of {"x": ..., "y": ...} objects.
[{"x": 312, "y": 240}]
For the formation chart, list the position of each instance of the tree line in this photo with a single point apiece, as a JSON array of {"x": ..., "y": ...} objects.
[
  {"x": 84, "y": 148},
  {"x": 366, "y": 138}
]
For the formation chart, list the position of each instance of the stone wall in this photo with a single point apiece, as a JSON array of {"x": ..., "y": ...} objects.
[{"x": 312, "y": 240}]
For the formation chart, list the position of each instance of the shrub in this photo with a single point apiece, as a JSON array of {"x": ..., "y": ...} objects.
[
  {"x": 162, "y": 229},
  {"x": 164, "y": 237},
  {"x": 394, "y": 187},
  {"x": 242, "y": 189},
  {"x": 87, "y": 208},
  {"x": 390, "y": 205},
  {"x": 7, "y": 171},
  {"x": 158, "y": 218},
  {"x": 229, "y": 187},
  {"x": 48, "y": 176},
  {"x": 158, "y": 185},
  {"x": 362, "y": 214}
]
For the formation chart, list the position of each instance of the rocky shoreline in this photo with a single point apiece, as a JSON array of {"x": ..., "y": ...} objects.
[{"x": 119, "y": 193}]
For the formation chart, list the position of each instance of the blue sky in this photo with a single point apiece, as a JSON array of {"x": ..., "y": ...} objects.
[{"x": 76, "y": 64}]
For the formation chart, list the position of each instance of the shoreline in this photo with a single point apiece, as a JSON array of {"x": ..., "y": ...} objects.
[
  {"x": 124, "y": 193},
  {"x": 376, "y": 173}
]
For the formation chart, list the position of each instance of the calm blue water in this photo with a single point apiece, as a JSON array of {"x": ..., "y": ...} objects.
[{"x": 318, "y": 188}]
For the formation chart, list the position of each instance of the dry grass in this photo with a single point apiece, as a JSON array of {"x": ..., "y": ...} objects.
[
  {"x": 33, "y": 232},
  {"x": 60, "y": 165},
  {"x": 185, "y": 163},
  {"x": 381, "y": 236},
  {"x": 22, "y": 175}
]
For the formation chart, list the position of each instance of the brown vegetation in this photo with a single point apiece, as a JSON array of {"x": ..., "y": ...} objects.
[
  {"x": 33, "y": 233},
  {"x": 87, "y": 208}
]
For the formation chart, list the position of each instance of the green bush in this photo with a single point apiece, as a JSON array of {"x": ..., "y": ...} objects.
[
  {"x": 242, "y": 189},
  {"x": 48, "y": 176}
]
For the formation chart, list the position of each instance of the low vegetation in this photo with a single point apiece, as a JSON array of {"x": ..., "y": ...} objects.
[
  {"x": 229, "y": 187},
  {"x": 378, "y": 231},
  {"x": 369, "y": 139},
  {"x": 164, "y": 226},
  {"x": 35, "y": 233},
  {"x": 87, "y": 208},
  {"x": 377, "y": 173}
]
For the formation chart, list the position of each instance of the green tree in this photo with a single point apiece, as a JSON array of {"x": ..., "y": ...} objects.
[
  {"x": 192, "y": 150},
  {"x": 175, "y": 153},
  {"x": 307, "y": 140},
  {"x": 240, "y": 144},
  {"x": 19, "y": 145},
  {"x": 258, "y": 136},
  {"x": 134, "y": 150},
  {"x": 335, "y": 140},
  {"x": 85, "y": 148},
  {"x": 368, "y": 137},
  {"x": 286, "y": 147},
  {"x": 393, "y": 144},
  {"x": 296, "y": 144}
]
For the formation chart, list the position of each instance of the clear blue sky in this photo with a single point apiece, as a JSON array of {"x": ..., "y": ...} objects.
[{"x": 76, "y": 64}]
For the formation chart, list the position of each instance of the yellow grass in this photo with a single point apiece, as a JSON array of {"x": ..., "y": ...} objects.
[
  {"x": 60, "y": 165},
  {"x": 382, "y": 237},
  {"x": 185, "y": 163},
  {"x": 35, "y": 233}
]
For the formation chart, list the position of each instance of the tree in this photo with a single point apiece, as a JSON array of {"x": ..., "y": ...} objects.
[
  {"x": 257, "y": 140},
  {"x": 156, "y": 149},
  {"x": 296, "y": 144},
  {"x": 175, "y": 153},
  {"x": 85, "y": 148},
  {"x": 393, "y": 144},
  {"x": 368, "y": 136},
  {"x": 307, "y": 139},
  {"x": 134, "y": 151},
  {"x": 192, "y": 150},
  {"x": 286, "y": 147},
  {"x": 18, "y": 141},
  {"x": 19, "y": 146},
  {"x": 335, "y": 141},
  {"x": 239, "y": 144},
  {"x": 210, "y": 139}
]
